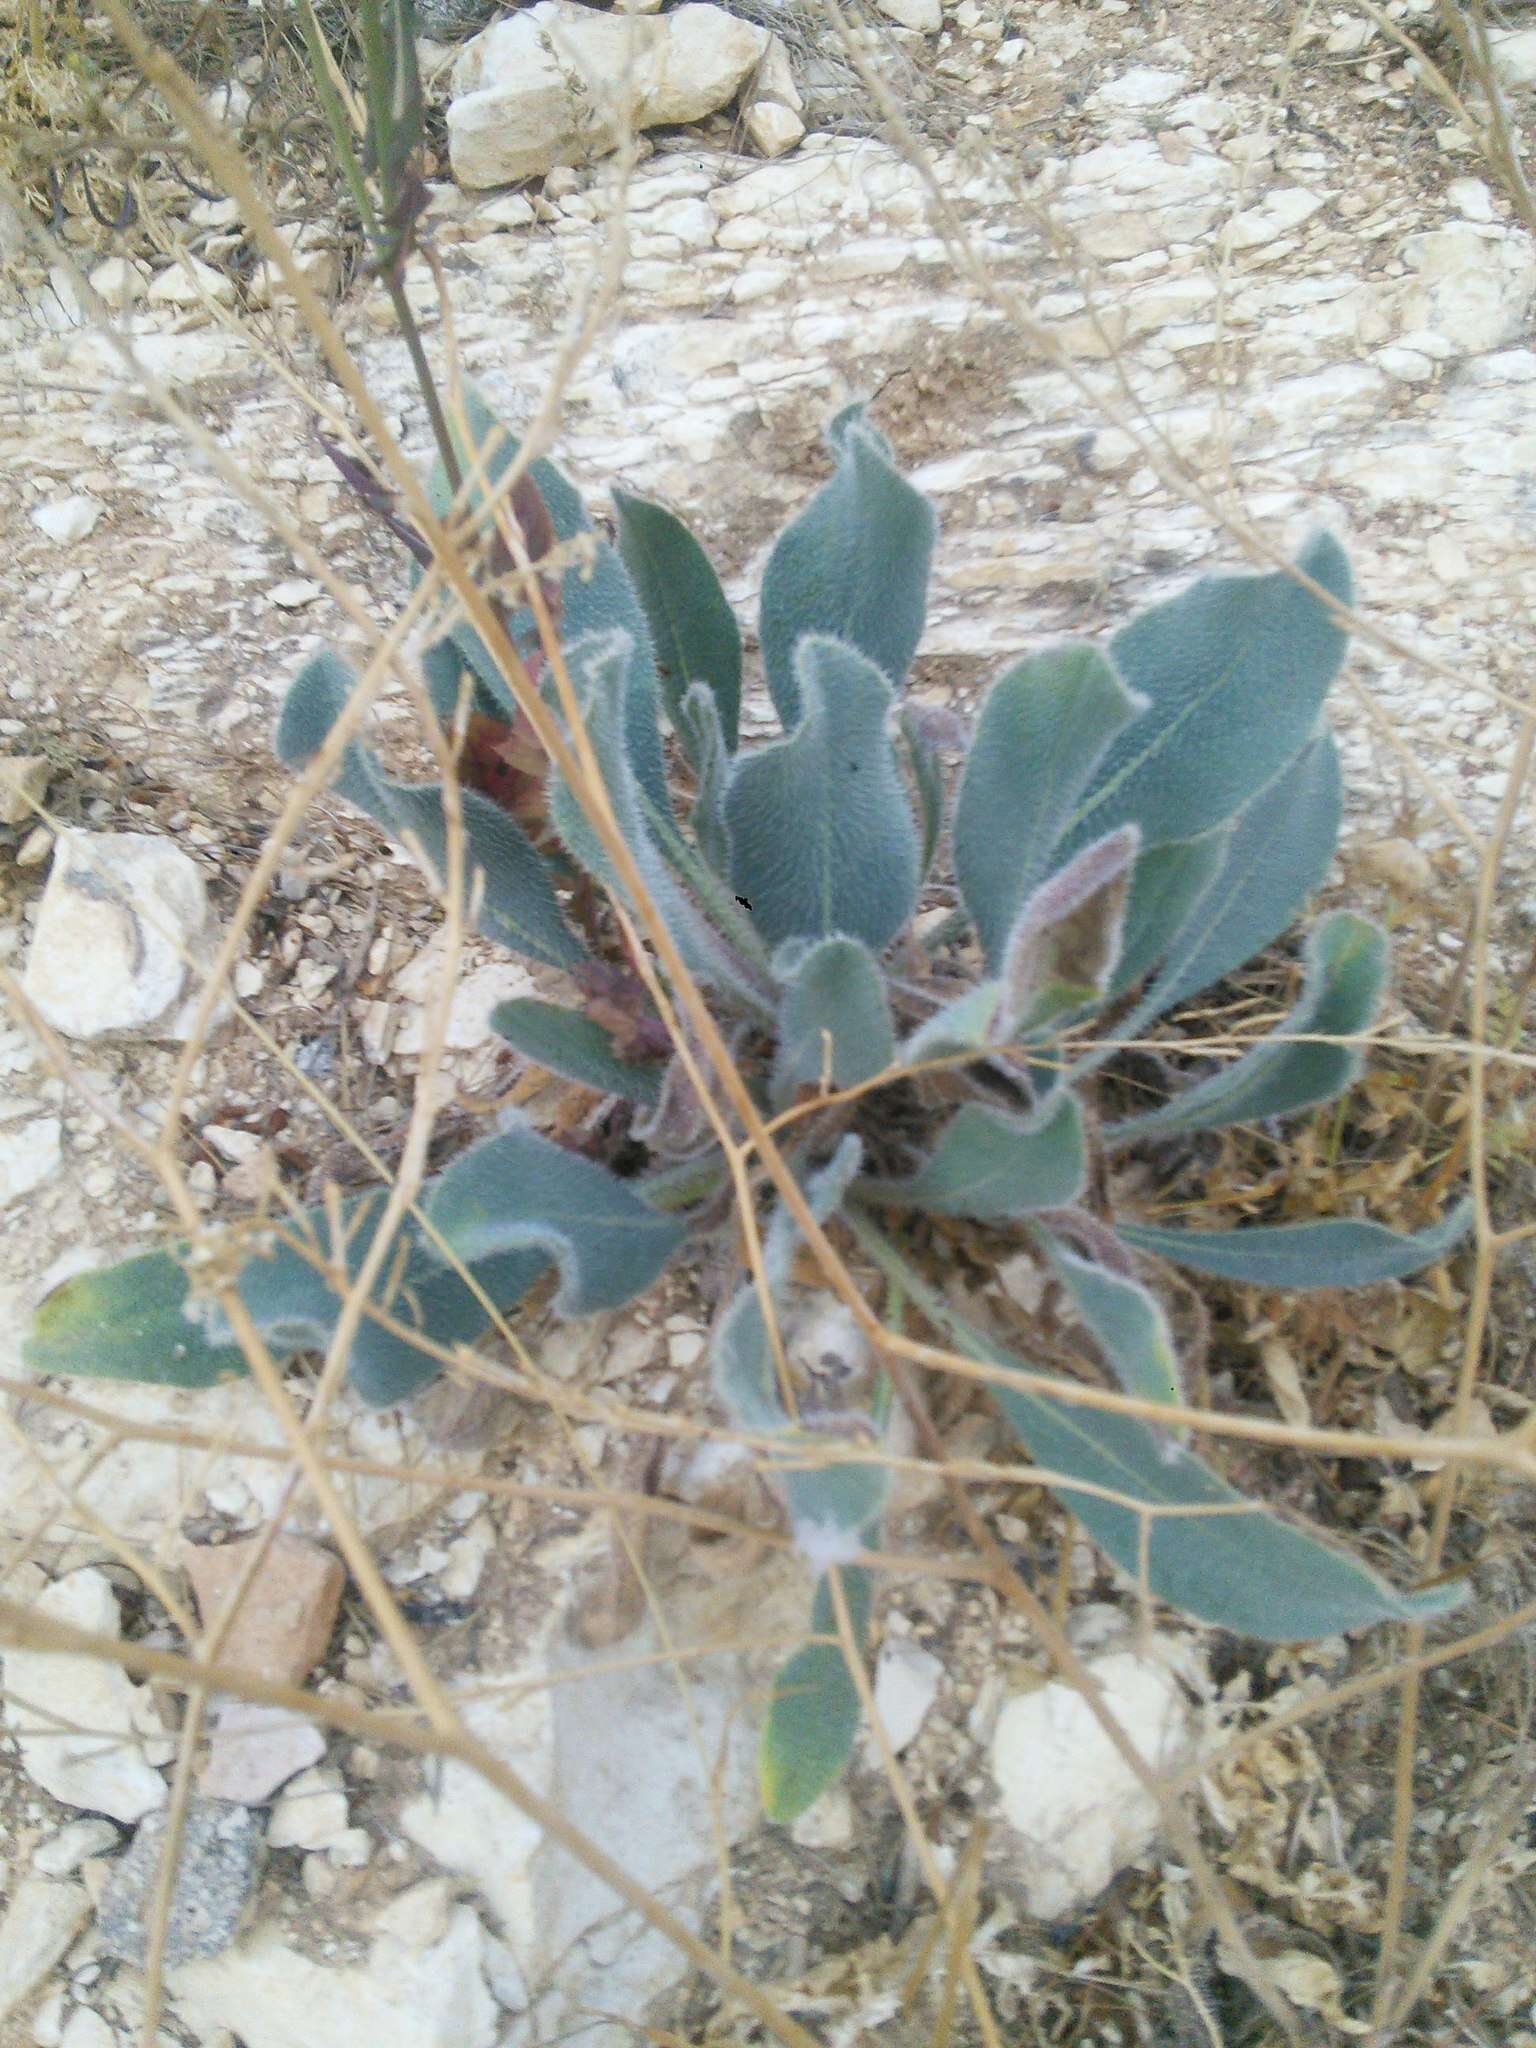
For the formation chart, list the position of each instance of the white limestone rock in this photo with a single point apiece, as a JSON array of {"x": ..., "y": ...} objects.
[
  {"x": 121, "y": 912},
  {"x": 1125, "y": 198},
  {"x": 1135, "y": 90},
  {"x": 30, "y": 1154},
  {"x": 773, "y": 130},
  {"x": 192, "y": 285},
  {"x": 923, "y": 17},
  {"x": 1514, "y": 56},
  {"x": 24, "y": 782},
  {"x": 648, "y": 1800},
  {"x": 65, "y": 520},
  {"x": 1075, "y": 1812},
  {"x": 1473, "y": 284},
  {"x": 40, "y": 1922},
  {"x": 275, "y": 1996},
  {"x": 551, "y": 84},
  {"x": 907, "y": 1679},
  {"x": 72, "y": 1717}
]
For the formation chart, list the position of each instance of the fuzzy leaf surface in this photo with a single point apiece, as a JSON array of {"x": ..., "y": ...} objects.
[
  {"x": 519, "y": 1191},
  {"x": 813, "y": 1717},
  {"x": 991, "y": 1165},
  {"x": 577, "y": 1048},
  {"x": 1244, "y": 1568},
  {"x": 1042, "y": 731},
  {"x": 128, "y": 1322},
  {"x": 853, "y": 566},
  {"x": 1346, "y": 975},
  {"x": 834, "y": 1022},
  {"x": 1166, "y": 884},
  {"x": 822, "y": 838},
  {"x": 1235, "y": 670},
  {"x": 1279, "y": 851},
  {"x": 1342, "y": 1252},
  {"x": 1063, "y": 949},
  {"x": 1127, "y": 1324},
  {"x": 693, "y": 628},
  {"x": 517, "y": 906}
]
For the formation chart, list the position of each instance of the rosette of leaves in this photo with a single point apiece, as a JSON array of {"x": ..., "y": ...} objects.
[{"x": 1131, "y": 823}]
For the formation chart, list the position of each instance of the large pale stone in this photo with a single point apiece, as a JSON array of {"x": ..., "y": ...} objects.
[
  {"x": 29, "y": 1155},
  {"x": 925, "y": 16},
  {"x": 72, "y": 1717},
  {"x": 120, "y": 914},
  {"x": 274, "y": 1996},
  {"x": 555, "y": 83},
  {"x": 653, "y": 1800},
  {"x": 40, "y": 1922},
  {"x": 1077, "y": 1810},
  {"x": 1473, "y": 284}
]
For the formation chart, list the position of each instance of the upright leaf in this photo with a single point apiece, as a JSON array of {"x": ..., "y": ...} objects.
[
  {"x": 1276, "y": 854},
  {"x": 1234, "y": 671},
  {"x": 994, "y": 1166},
  {"x": 596, "y": 595},
  {"x": 696, "y": 636},
  {"x": 741, "y": 1358},
  {"x": 506, "y": 877},
  {"x": 813, "y": 1717},
  {"x": 1342, "y": 1252},
  {"x": 1166, "y": 884},
  {"x": 822, "y": 838},
  {"x": 1062, "y": 951},
  {"x": 1346, "y": 973},
  {"x": 834, "y": 1022},
  {"x": 1127, "y": 1323},
  {"x": 1043, "y": 729},
  {"x": 852, "y": 566},
  {"x": 698, "y": 726}
]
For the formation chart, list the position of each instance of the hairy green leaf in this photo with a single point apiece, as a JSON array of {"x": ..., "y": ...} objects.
[
  {"x": 1127, "y": 1323},
  {"x": 967, "y": 1023},
  {"x": 128, "y": 1322},
  {"x": 852, "y": 566},
  {"x": 698, "y": 726},
  {"x": 564, "y": 1042},
  {"x": 813, "y": 1717},
  {"x": 504, "y": 875},
  {"x": 991, "y": 1165},
  {"x": 1278, "y": 852},
  {"x": 1064, "y": 946},
  {"x": 519, "y": 1191},
  {"x": 1342, "y": 1252},
  {"x": 697, "y": 639},
  {"x": 822, "y": 838},
  {"x": 835, "y": 1021},
  {"x": 1237, "y": 1564},
  {"x": 1235, "y": 671},
  {"x": 1166, "y": 884},
  {"x": 1346, "y": 974},
  {"x": 1043, "y": 729}
]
